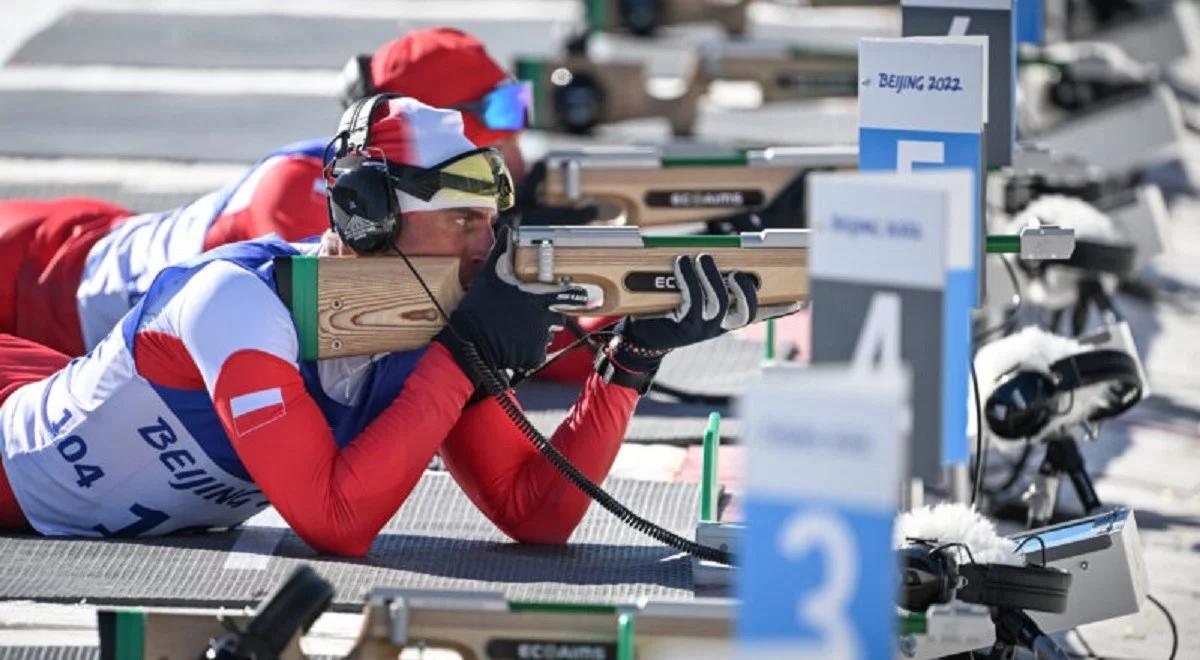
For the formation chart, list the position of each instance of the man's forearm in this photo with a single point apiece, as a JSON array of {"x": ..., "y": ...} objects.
[
  {"x": 514, "y": 485},
  {"x": 337, "y": 500}
]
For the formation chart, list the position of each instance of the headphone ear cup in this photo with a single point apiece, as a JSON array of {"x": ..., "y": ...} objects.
[
  {"x": 927, "y": 577},
  {"x": 363, "y": 209},
  {"x": 1020, "y": 406}
]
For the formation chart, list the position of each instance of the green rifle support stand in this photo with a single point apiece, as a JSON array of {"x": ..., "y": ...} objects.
[{"x": 710, "y": 530}]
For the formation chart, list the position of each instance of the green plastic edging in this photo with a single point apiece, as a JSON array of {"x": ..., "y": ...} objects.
[
  {"x": 739, "y": 160},
  {"x": 913, "y": 624},
  {"x": 770, "y": 346},
  {"x": 1004, "y": 244},
  {"x": 625, "y": 649},
  {"x": 708, "y": 473},
  {"x": 690, "y": 241},
  {"x": 561, "y": 608},
  {"x": 129, "y": 629},
  {"x": 800, "y": 52},
  {"x": 596, "y": 15},
  {"x": 304, "y": 304},
  {"x": 530, "y": 70}
]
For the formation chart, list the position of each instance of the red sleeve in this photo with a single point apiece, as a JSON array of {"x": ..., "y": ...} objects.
[
  {"x": 336, "y": 500},
  {"x": 288, "y": 200},
  {"x": 514, "y": 485},
  {"x": 573, "y": 367}
]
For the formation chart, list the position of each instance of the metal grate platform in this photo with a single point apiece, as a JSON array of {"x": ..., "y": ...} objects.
[
  {"x": 437, "y": 540},
  {"x": 49, "y": 652}
]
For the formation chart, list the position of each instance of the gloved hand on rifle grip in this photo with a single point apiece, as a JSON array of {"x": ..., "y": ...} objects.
[
  {"x": 712, "y": 305},
  {"x": 507, "y": 321}
]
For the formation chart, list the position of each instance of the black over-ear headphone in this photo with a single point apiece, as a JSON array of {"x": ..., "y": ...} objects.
[
  {"x": 363, "y": 208},
  {"x": 931, "y": 575},
  {"x": 355, "y": 81},
  {"x": 1024, "y": 402}
]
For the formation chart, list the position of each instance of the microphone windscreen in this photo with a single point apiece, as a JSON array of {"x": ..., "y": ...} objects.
[{"x": 957, "y": 523}]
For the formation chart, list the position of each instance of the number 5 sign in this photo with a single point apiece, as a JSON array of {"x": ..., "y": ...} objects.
[{"x": 910, "y": 119}]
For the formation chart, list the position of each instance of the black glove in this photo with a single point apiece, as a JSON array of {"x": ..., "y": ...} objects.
[
  {"x": 712, "y": 305},
  {"x": 508, "y": 322},
  {"x": 785, "y": 211}
]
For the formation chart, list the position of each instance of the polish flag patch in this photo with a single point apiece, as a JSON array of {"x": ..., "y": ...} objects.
[{"x": 255, "y": 409}]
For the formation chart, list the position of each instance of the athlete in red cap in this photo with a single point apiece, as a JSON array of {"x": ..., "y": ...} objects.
[
  {"x": 448, "y": 68},
  {"x": 172, "y": 421}
]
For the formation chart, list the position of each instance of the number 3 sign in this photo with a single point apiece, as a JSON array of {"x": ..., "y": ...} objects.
[{"x": 825, "y": 450}]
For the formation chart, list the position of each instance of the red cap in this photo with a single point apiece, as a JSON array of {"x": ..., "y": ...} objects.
[{"x": 442, "y": 67}]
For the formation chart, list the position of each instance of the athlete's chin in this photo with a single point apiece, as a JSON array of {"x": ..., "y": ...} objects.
[{"x": 467, "y": 277}]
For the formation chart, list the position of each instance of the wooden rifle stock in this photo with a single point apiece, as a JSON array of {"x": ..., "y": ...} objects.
[
  {"x": 363, "y": 305},
  {"x": 345, "y": 306},
  {"x": 646, "y": 189}
]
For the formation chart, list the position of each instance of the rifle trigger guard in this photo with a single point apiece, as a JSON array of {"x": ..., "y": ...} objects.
[{"x": 545, "y": 263}]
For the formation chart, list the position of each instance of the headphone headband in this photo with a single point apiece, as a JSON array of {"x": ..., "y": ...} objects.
[
  {"x": 354, "y": 128},
  {"x": 1102, "y": 366},
  {"x": 356, "y": 80},
  {"x": 1021, "y": 406},
  {"x": 1091, "y": 367}
]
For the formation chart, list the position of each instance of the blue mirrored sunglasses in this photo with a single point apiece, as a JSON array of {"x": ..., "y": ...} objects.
[{"x": 508, "y": 107}]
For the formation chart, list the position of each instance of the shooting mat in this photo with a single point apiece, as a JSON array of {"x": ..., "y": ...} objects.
[{"x": 438, "y": 540}]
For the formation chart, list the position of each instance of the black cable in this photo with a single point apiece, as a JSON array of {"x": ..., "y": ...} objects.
[
  {"x": 955, "y": 544},
  {"x": 1017, "y": 467},
  {"x": 1038, "y": 538},
  {"x": 980, "y": 455},
  {"x": 584, "y": 339},
  {"x": 1010, "y": 316},
  {"x": 1004, "y": 327},
  {"x": 1082, "y": 640},
  {"x": 500, "y": 391},
  {"x": 1170, "y": 622},
  {"x": 496, "y": 386},
  {"x": 681, "y": 395},
  {"x": 1092, "y": 655}
]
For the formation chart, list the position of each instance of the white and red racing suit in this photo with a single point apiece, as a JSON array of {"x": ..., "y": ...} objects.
[{"x": 197, "y": 411}]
